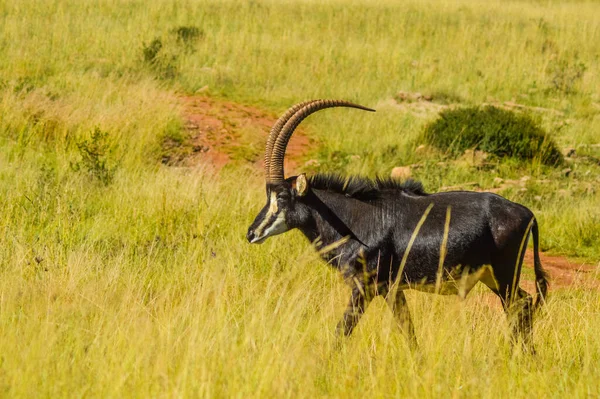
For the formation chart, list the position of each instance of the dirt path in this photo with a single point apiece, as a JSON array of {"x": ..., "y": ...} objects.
[
  {"x": 221, "y": 132},
  {"x": 565, "y": 272}
]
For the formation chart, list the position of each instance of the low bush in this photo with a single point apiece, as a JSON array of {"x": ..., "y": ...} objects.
[
  {"x": 497, "y": 131},
  {"x": 163, "y": 54},
  {"x": 97, "y": 157}
]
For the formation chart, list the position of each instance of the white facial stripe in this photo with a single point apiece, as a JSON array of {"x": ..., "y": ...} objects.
[
  {"x": 273, "y": 204},
  {"x": 277, "y": 226}
]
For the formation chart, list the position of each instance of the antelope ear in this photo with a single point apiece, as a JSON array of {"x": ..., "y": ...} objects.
[{"x": 301, "y": 184}]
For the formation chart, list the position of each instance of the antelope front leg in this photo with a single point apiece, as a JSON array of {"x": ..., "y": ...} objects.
[
  {"x": 359, "y": 301},
  {"x": 397, "y": 303}
]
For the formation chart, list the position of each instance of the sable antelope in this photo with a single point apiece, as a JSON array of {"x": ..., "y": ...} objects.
[{"x": 386, "y": 236}]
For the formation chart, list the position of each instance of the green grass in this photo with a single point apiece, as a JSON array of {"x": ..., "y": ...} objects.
[{"x": 145, "y": 285}]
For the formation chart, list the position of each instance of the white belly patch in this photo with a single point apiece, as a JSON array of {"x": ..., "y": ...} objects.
[{"x": 458, "y": 282}]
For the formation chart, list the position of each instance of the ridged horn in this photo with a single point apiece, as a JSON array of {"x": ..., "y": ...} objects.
[
  {"x": 275, "y": 132},
  {"x": 275, "y": 172}
]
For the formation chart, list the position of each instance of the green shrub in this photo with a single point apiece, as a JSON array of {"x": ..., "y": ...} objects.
[
  {"x": 163, "y": 53},
  {"x": 162, "y": 61},
  {"x": 494, "y": 130},
  {"x": 97, "y": 157},
  {"x": 187, "y": 34}
]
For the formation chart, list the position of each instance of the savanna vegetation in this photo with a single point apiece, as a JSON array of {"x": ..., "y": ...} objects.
[
  {"x": 124, "y": 277},
  {"x": 498, "y": 132}
]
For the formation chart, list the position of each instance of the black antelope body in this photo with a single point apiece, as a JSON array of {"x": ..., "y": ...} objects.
[{"x": 386, "y": 236}]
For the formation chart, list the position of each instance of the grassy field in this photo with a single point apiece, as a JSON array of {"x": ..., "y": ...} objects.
[{"x": 123, "y": 277}]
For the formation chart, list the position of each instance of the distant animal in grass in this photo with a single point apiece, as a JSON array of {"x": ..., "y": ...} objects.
[{"x": 386, "y": 236}]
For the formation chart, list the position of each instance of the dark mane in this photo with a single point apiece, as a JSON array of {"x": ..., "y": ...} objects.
[{"x": 363, "y": 188}]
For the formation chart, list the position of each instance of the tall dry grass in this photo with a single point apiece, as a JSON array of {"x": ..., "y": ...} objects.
[{"x": 146, "y": 287}]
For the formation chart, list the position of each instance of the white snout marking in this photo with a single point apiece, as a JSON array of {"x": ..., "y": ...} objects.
[
  {"x": 278, "y": 226},
  {"x": 258, "y": 240}
]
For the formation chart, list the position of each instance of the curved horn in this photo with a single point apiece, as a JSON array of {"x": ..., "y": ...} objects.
[
  {"x": 275, "y": 172},
  {"x": 275, "y": 132}
]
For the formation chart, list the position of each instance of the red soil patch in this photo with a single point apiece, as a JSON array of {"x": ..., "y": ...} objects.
[
  {"x": 564, "y": 272},
  {"x": 221, "y": 132}
]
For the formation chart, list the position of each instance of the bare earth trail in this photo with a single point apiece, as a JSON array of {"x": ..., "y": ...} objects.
[
  {"x": 220, "y": 132},
  {"x": 565, "y": 272}
]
